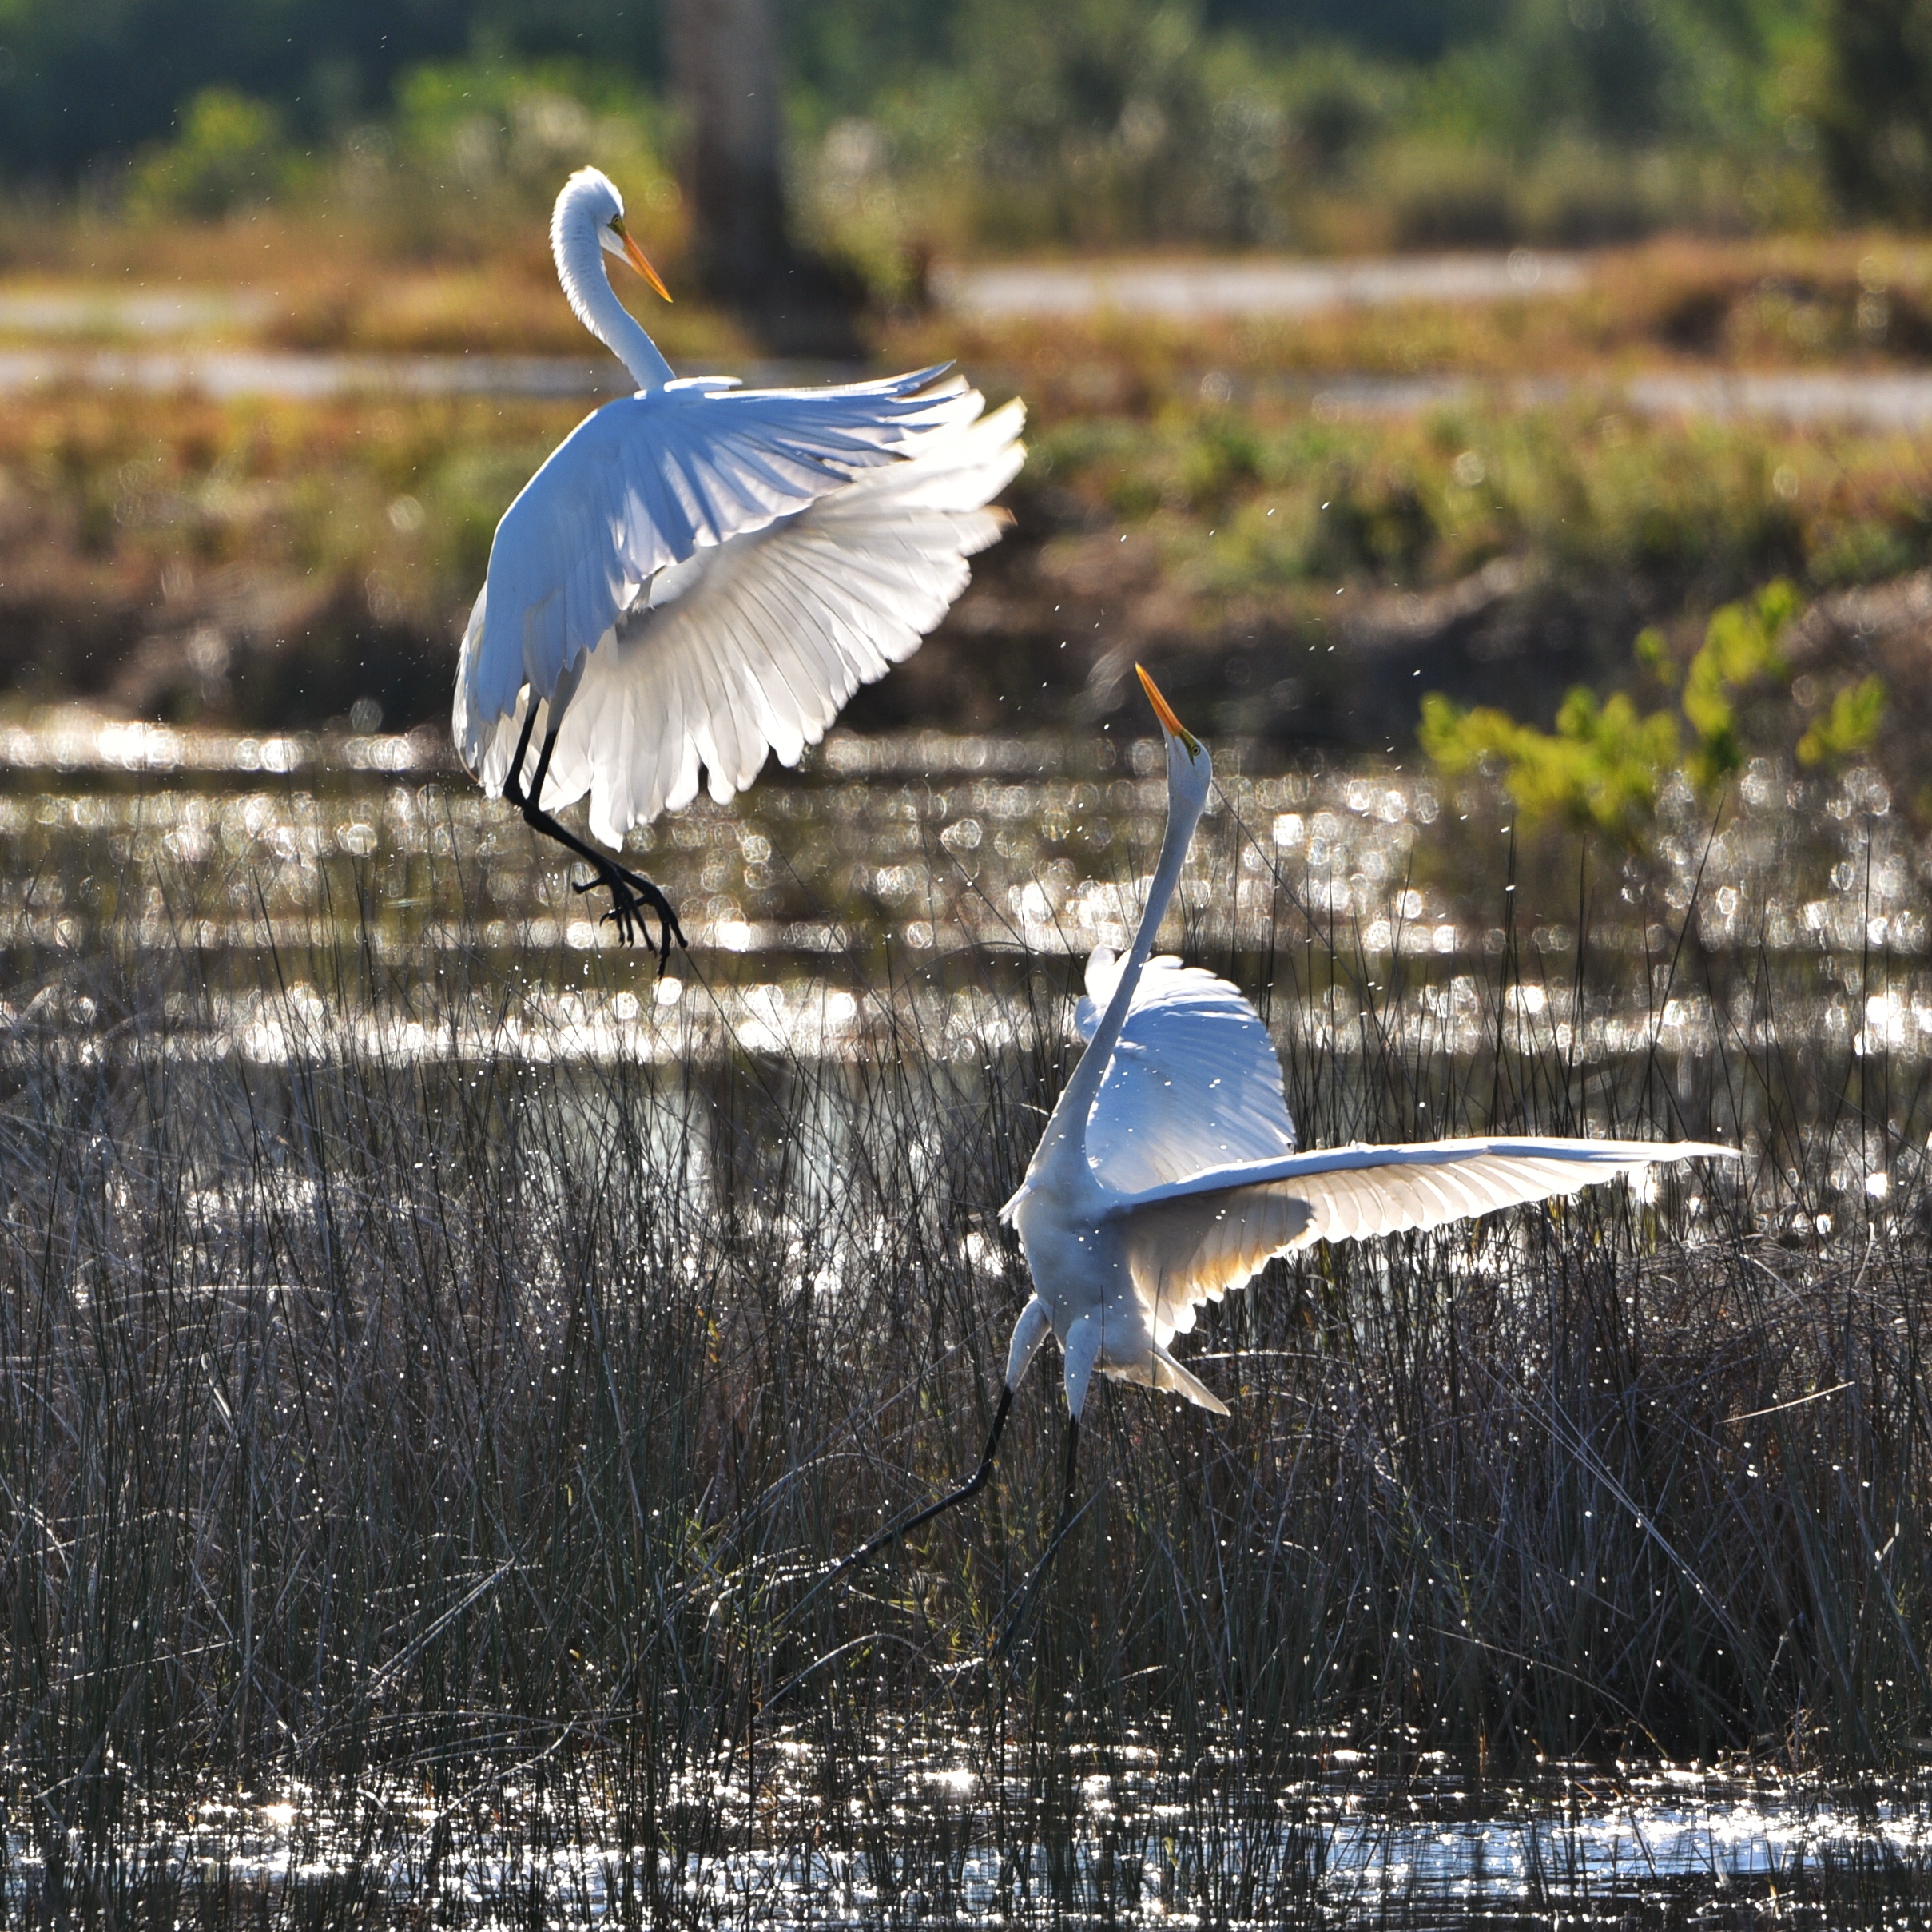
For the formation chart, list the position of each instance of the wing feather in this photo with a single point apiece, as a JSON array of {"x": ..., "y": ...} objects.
[
  {"x": 1184, "y": 1252},
  {"x": 769, "y": 631},
  {"x": 1193, "y": 1083},
  {"x": 1192, "y": 1241},
  {"x": 648, "y": 480}
]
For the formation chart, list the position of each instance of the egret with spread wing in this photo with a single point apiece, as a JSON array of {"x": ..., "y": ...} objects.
[
  {"x": 700, "y": 573},
  {"x": 1167, "y": 1174}
]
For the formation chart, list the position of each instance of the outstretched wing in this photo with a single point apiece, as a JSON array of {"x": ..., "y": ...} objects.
[
  {"x": 1192, "y": 1241},
  {"x": 1193, "y": 1083},
  {"x": 753, "y": 644},
  {"x": 646, "y": 481}
]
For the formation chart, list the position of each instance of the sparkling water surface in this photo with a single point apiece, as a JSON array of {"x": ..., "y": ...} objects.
[
  {"x": 1580, "y": 1845},
  {"x": 929, "y": 872}
]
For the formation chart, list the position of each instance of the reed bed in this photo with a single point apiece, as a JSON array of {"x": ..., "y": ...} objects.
[{"x": 450, "y": 1442}]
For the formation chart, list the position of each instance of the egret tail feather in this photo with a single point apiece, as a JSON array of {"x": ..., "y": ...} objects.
[{"x": 1168, "y": 1373}]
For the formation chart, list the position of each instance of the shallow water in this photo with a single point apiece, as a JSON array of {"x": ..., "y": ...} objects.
[
  {"x": 944, "y": 867},
  {"x": 1283, "y": 286},
  {"x": 1579, "y": 1844}
]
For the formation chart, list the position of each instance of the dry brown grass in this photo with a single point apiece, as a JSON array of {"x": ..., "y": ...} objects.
[
  {"x": 1787, "y": 302},
  {"x": 360, "y": 283},
  {"x": 363, "y": 282}
]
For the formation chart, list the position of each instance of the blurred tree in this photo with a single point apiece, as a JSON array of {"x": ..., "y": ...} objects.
[
  {"x": 1109, "y": 121},
  {"x": 1876, "y": 114},
  {"x": 723, "y": 70},
  {"x": 1394, "y": 29},
  {"x": 230, "y": 152},
  {"x": 723, "y": 57},
  {"x": 81, "y": 82},
  {"x": 1095, "y": 121},
  {"x": 840, "y": 55}
]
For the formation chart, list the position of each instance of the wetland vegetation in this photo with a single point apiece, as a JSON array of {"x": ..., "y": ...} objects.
[
  {"x": 1296, "y": 570},
  {"x": 439, "y": 1366}
]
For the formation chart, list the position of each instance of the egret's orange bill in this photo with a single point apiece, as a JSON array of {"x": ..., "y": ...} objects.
[
  {"x": 1164, "y": 712},
  {"x": 636, "y": 256}
]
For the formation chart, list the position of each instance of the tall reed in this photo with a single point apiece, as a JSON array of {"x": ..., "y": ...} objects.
[{"x": 396, "y": 1413}]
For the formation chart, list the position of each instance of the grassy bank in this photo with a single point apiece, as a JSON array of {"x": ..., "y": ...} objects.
[
  {"x": 1204, "y": 496},
  {"x": 481, "y": 278},
  {"x": 275, "y": 564},
  {"x": 1856, "y": 298}
]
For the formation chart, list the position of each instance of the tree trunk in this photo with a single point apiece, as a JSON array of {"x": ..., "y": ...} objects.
[{"x": 724, "y": 67}]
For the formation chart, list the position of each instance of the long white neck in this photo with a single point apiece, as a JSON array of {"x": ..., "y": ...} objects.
[
  {"x": 580, "y": 267},
  {"x": 1068, "y": 1128}
]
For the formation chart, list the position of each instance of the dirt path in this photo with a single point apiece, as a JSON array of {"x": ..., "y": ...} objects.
[
  {"x": 1874, "y": 398},
  {"x": 1187, "y": 291}
]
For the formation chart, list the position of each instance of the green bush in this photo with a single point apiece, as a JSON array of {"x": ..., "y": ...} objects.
[
  {"x": 229, "y": 153},
  {"x": 504, "y": 134},
  {"x": 1848, "y": 728},
  {"x": 1602, "y": 767}
]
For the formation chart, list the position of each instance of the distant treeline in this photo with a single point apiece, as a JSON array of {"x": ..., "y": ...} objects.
[
  {"x": 82, "y": 82},
  {"x": 1091, "y": 120}
]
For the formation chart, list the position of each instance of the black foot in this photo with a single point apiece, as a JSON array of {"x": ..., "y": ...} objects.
[{"x": 633, "y": 897}]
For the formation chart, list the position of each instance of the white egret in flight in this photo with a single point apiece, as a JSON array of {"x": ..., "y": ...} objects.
[
  {"x": 1167, "y": 1173},
  {"x": 700, "y": 573}
]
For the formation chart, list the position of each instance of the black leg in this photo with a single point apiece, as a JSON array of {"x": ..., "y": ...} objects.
[
  {"x": 513, "y": 779},
  {"x": 542, "y": 772},
  {"x": 1073, "y": 1451},
  {"x": 632, "y": 895},
  {"x": 972, "y": 1485},
  {"x": 1023, "y": 1601}
]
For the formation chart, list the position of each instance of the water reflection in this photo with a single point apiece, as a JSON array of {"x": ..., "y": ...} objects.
[
  {"x": 922, "y": 871},
  {"x": 1591, "y": 1845}
]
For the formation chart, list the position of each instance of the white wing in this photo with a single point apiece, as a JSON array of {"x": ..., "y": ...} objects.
[
  {"x": 646, "y": 481},
  {"x": 1193, "y": 1083},
  {"x": 753, "y": 644},
  {"x": 1192, "y": 1241}
]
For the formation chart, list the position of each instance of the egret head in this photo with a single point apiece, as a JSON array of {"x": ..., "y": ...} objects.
[
  {"x": 1190, "y": 769},
  {"x": 591, "y": 195}
]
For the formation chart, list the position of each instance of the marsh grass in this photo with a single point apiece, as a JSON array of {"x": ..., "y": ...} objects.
[
  {"x": 454, "y": 1437},
  {"x": 274, "y": 563}
]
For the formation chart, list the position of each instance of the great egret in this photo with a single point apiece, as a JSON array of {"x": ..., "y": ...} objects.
[
  {"x": 1167, "y": 1173},
  {"x": 699, "y": 573}
]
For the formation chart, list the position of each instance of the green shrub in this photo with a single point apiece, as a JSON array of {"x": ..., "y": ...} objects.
[
  {"x": 1600, "y": 769},
  {"x": 1740, "y": 648},
  {"x": 1604, "y": 765},
  {"x": 229, "y": 153},
  {"x": 1848, "y": 728}
]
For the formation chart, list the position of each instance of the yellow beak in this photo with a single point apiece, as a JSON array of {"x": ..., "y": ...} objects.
[
  {"x": 1164, "y": 711},
  {"x": 635, "y": 255}
]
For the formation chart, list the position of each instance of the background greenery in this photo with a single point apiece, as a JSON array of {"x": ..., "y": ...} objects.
[{"x": 949, "y": 123}]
